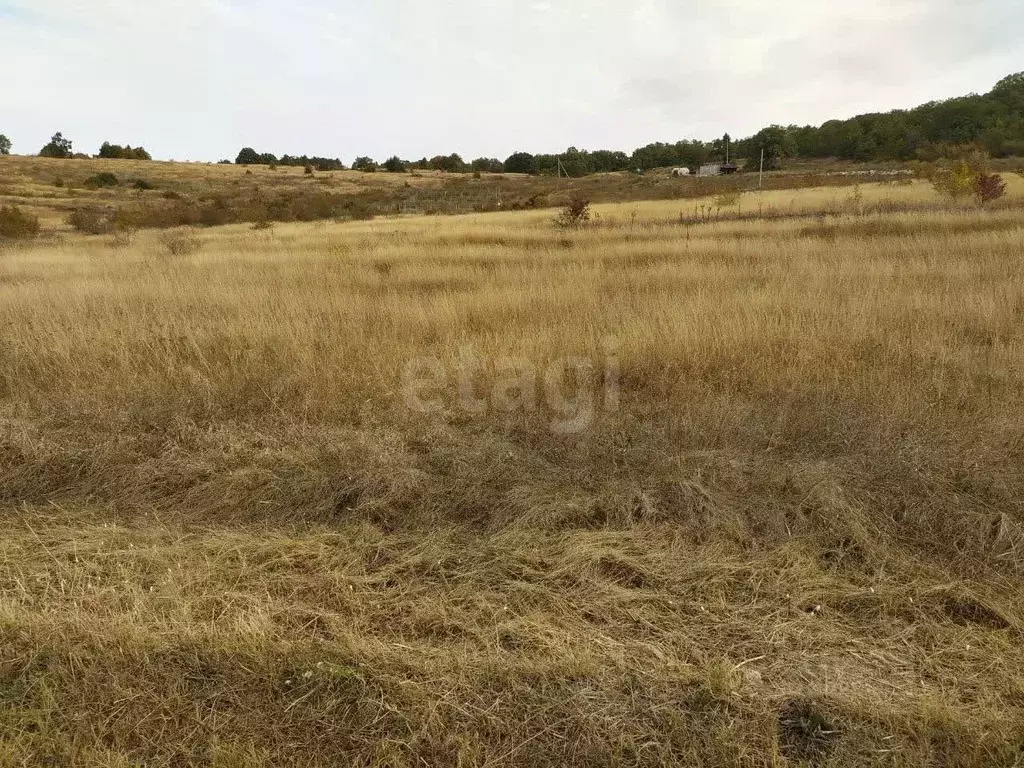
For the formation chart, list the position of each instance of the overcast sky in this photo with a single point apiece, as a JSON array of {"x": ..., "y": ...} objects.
[{"x": 199, "y": 79}]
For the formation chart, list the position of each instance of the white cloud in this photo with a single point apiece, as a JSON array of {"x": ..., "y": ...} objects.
[{"x": 200, "y": 78}]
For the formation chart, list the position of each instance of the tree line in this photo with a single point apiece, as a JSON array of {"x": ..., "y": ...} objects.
[
  {"x": 249, "y": 156},
  {"x": 993, "y": 122},
  {"x": 60, "y": 146}
]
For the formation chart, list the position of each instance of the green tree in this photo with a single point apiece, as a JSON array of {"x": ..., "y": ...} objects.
[
  {"x": 777, "y": 143},
  {"x": 521, "y": 162},
  {"x": 449, "y": 163},
  {"x": 5, "y": 145},
  {"x": 395, "y": 164},
  {"x": 575, "y": 163},
  {"x": 365, "y": 164},
  {"x": 1010, "y": 92},
  {"x": 58, "y": 147},
  {"x": 959, "y": 181},
  {"x": 117, "y": 152},
  {"x": 247, "y": 156},
  {"x": 487, "y": 165}
]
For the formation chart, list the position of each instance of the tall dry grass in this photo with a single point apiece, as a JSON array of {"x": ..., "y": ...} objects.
[{"x": 797, "y": 537}]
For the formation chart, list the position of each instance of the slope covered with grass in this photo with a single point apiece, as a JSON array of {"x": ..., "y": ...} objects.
[{"x": 790, "y": 533}]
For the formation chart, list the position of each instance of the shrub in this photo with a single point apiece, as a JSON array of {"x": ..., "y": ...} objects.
[
  {"x": 124, "y": 234},
  {"x": 921, "y": 169},
  {"x": 117, "y": 152},
  {"x": 91, "y": 221},
  {"x": 575, "y": 214},
  {"x": 957, "y": 182},
  {"x": 989, "y": 187},
  {"x": 142, "y": 185},
  {"x": 104, "y": 179},
  {"x": 358, "y": 210},
  {"x": 17, "y": 225},
  {"x": 728, "y": 199},
  {"x": 308, "y": 170},
  {"x": 181, "y": 243}
]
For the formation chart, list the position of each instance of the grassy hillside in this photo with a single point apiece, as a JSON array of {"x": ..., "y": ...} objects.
[
  {"x": 789, "y": 533},
  {"x": 177, "y": 194}
]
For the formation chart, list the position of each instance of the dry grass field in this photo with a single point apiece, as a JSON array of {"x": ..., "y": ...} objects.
[{"x": 788, "y": 531}]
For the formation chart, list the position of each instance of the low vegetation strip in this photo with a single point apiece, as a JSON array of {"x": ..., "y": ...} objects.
[{"x": 103, "y": 197}]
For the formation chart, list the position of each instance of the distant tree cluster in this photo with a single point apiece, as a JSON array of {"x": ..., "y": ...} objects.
[
  {"x": 365, "y": 164},
  {"x": 581, "y": 162},
  {"x": 5, "y": 145},
  {"x": 249, "y": 156},
  {"x": 572, "y": 162},
  {"x": 116, "y": 152},
  {"x": 446, "y": 163},
  {"x": 59, "y": 146}
]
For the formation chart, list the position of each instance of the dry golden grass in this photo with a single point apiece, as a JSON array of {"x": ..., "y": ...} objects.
[{"x": 797, "y": 540}]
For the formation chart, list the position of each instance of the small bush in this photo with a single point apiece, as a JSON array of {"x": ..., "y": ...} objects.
[
  {"x": 142, "y": 185},
  {"x": 989, "y": 187},
  {"x": 124, "y": 236},
  {"x": 91, "y": 221},
  {"x": 308, "y": 170},
  {"x": 215, "y": 214},
  {"x": 922, "y": 169},
  {"x": 170, "y": 194},
  {"x": 16, "y": 225},
  {"x": 181, "y": 243},
  {"x": 728, "y": 199},
  {"x": 574, "y": 215},
  {"x": 358, "y": 210},
  {"x": 101, "y": 180},
  {"x": 955, "y": 183}
]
